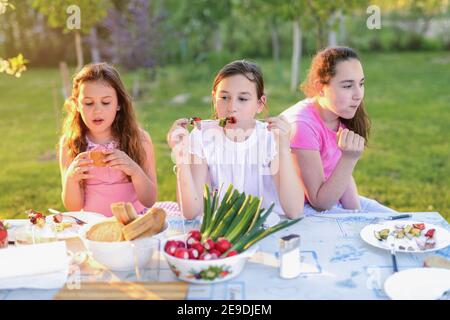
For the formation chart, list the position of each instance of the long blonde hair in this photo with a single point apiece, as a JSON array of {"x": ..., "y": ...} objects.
[
  {"x": 323, "y": 68},
  {"x": 125, "y": 128}
]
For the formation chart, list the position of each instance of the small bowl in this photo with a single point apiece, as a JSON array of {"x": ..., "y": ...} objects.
[
  {"x": 207, "y": 271},
  {"x": 120, "y": 256}
]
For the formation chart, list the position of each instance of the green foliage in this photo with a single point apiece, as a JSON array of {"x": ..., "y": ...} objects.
[
  {"x": 14, "y": 66},
  {"x": 92, "y": 11}
]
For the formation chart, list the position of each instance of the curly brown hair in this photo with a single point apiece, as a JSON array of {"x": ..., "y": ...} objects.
[
  {"x": 125, "y": 128},
  {"x": 323, "y": 68}
]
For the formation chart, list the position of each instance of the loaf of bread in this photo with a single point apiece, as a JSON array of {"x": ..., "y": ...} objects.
[
  {"x": 106, "y": 231},
  {"x": 97, "y": 156},
  {"x": 124, "y": 212},
  {"x": 436, "y": 262},
  {"x": 149, "y": 224}
]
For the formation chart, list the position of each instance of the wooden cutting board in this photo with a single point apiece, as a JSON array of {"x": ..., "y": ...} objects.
[{"x": 125, "y": 291}]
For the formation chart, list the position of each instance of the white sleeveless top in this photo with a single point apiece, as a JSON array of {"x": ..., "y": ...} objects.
[{"x": 244, "y": 164}]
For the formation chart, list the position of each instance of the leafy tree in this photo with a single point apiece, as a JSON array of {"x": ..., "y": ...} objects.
[
  {"x": 13, "y": 66},
  {"x": 58, "y": 12}
]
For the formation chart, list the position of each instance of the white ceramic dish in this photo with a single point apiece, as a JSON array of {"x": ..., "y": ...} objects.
[
  {"x": 418, "y": 284},
  {"x": 441, "y": 236},
  {"x": 207, "y": 271},
  {"x": 123, "y": 255}
]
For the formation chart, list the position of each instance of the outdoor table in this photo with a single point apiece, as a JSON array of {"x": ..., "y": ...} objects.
[{"x": 335, "y": 264}]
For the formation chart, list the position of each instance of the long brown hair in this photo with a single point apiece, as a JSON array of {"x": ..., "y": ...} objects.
[
  {"x": 323, "y": 68},
  {"x": 125, "y": 128},
  {"x": 249, "y": 70}
]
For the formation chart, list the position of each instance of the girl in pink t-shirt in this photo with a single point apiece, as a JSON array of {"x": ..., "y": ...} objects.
[
  {"x": 331, "y": 130},
  {"x": 101, "y": 117}
]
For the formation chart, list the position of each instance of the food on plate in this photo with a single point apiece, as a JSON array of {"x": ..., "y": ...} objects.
[
  {"x": 106, "y": 231},
  {"x": 148, "y": 224},
  {"x": 36, "y": 218},
  {"x": 422, "y": 236},
  {"x": 124, "y": 212},
  {"x": 97, "y": 156}
]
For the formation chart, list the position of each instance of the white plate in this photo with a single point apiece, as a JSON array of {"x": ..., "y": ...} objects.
[
  {"x": 417, "y": 284},
  {"x": 88, "y": 217},
  {"x": 441, "y": 235}
]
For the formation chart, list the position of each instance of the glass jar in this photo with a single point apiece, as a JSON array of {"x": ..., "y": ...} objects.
[{"x": 32, "y": 234}]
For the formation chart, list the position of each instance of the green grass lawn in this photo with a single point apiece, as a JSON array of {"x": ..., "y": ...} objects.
[{"x": 406, "y": 166}]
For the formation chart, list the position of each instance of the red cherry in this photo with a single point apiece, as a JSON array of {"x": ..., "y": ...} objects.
[{"x": 181, "y": 253}]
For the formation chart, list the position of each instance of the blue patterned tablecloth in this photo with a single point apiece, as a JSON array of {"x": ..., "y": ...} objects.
[{"x": 336, "y": 264}]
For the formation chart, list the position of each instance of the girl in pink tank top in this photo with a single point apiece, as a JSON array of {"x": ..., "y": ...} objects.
[{"x": 101, "y": 118}]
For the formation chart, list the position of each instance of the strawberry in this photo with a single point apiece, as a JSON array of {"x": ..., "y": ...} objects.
[
  {"x": 58, "y": 218},
  {"x": 430, "y": 233},
  {"x": 231, "y": 120},
  {"x": 193, "y": 120},
  {"x": 3, "y": 235},
  {"x": 419, "y": 226}
]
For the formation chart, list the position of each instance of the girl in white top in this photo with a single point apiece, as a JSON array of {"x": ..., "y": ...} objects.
[{"x": 252, "y": 155}]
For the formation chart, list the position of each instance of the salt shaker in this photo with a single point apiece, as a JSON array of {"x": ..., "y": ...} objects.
[{"x": 290, "y": 256}]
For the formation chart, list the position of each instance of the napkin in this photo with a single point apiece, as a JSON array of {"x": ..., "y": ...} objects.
[{"x": 39, "y": 266}]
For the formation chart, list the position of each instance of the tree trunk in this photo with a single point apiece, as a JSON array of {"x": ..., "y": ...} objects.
[
  {"x": 275, "y": 41},
  {"x": 342, "y": 30},
  {"x": 79, "y": 50},
  {"x": 217, "y": 39},
  {"x": 95, "y": 53},
  {"x": 296, "y": 53},
  {"x": 332, "y": 37}
]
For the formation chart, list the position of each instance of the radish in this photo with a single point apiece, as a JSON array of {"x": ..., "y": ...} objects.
[{"x": 181, "y": 253}]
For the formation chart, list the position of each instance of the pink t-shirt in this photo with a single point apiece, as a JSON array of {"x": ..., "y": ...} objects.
[
  {"x": 311, "y": 133},
  {"x": 108, "y": 185}
]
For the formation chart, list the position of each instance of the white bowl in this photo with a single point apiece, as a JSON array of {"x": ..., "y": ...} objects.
[
  {"x": 207, "y": 271},
  {"x": 120, "y": 256}
]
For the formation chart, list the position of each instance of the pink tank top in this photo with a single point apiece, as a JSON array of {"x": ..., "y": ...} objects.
[{"x": 108, "y": 186}]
